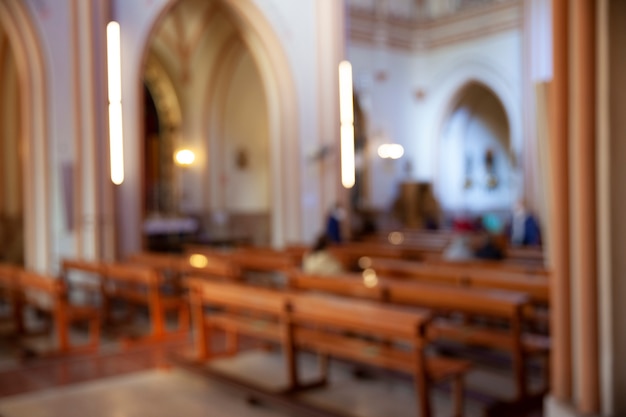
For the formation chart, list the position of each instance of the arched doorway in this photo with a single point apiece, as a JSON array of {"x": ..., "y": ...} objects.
[
  {"x": 476, "y": 162},
  {"x": 231, "y": 103}
]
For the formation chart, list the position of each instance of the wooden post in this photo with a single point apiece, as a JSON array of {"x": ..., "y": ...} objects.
[
  {"x": 422, "y": 382},
  {"x": 584, "y": 198},
  {"x": 197, "y": 316},
  {"x": 560, "y": 219}
]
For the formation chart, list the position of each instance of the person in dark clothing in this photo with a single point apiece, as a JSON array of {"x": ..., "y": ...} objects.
[
  {"x": 333, "y": 224},
  {"x": 524, "y": 229}
]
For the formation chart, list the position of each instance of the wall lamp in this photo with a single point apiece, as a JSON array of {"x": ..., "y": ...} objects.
[
  {"x": 184, "y": 157},
  {"x": 114, "y": 72},
  {"x": 390, "y": 151}
]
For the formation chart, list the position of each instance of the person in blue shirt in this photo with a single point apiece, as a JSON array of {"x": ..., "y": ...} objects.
[
  {"x": 333, "y": 224},
  {"x": 524, "y": 229}
]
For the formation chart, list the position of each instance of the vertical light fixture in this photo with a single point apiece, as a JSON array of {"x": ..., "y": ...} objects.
[
  {"x": 114, "y": 70},
  {"x": 346, "y": 115}
]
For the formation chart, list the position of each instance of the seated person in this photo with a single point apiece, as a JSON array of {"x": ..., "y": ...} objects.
[
  {"x": 524, "y": 228},
  {"x": 460, "y": 249},
  {"x": 491, "y": 249},
  {"x": 320, "y": 261}
]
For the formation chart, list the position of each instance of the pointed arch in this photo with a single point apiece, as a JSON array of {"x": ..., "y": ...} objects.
[
  {"x": 16, "y": 20},
  {"x": 476, "y": 162},
  {"x": 271, "y": 60}
]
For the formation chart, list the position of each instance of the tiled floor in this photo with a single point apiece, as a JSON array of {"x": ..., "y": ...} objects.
[
  {"x": 145, "y": 381},
  {"x": 139, "y": 382}
]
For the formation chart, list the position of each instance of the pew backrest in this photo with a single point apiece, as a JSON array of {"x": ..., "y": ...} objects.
[
  {"x": 361, "y": 316},
  {"x": 497, "y": 303},
  {"x": 237, "y": 296},
  {"x": 353, "y": 285}
]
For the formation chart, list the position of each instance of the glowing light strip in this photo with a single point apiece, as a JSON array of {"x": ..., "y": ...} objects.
[
  {"x": 346, "y": 115},
  {"x": 116, "y": 143},
  {"x": 114, "y": 70},
  {"x": 346, "y": 110},
  {"x": 347, "y": 156}
]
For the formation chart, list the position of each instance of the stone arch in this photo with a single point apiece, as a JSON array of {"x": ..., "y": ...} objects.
[
  {"x": 268, "y": 53},
  {"x": 16, "y": 20},
  {"x": 470, "y": 72},
  {"x": 452, "y": 87},
  {"x": 475, "y": 148}
]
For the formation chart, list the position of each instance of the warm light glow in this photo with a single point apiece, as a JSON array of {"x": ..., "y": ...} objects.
[
  {"x": 370, "y": 280},
  {"x": 198, "y": 261},
  {"x": 184, "y": 157},
  {"x": 346, "y": 115},
  {"x": 365, "y": 262},
  {"x": 114, "y": 73},
  {"x": 347, "y": 156},
  {"x": 116, "y": 143},
  {"x": 390, "y": 151},
  {"x": 346, "y": 110},
  {"x": 395, "y": 238}
]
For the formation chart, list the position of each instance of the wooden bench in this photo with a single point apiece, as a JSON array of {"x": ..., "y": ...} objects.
[
  {"x": 85, "y": 280},
  {"x": 10, "y": 293},
  {"x": 371, "y": 333},
  {"x": 536, "y": 286},
  {"x": 174, "y": 267},
  {"x": 349, "y": 285},
  {"x": 220, "y": 267},
  {"x": 350, "y": 253},
  {"x": 259, "y": 313},
  {"x": 476, "y": 302},
  {"x": 258, "y": 265},
  {"x": 141, "y": 285},
  {"x": 49, "y": 294},
  {"x": 354, "y": 330},
  {"x": 505, "y": 305},
  {"x": 423, "y": 240}
]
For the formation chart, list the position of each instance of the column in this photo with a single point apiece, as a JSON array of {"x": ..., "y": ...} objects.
[
  {"x": 583, "y": 186},
  {"x": 561, "y": 372}
]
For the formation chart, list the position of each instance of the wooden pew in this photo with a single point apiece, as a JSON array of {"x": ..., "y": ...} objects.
[
  {"x": 536, "y": 286},
  {"x": 259, "y": 313},
  {"x": 174, "y": 267},
  {"x": 85, "y": 278},
  {"x": 257, "y": 264},
  {"x": 349, "y": 254},
  {"x": 499, "y": 304},
  {"x": 506, "y": 264},
  {"x": 431, "y": 244},
  {"x": 349, "y": 285},
  {"x": 490, "y": 303},
  {"x": 141, "y": 285},
  {"x": 10, "y": 293},
  {"x": 371, "y": 333},
  {"x": 219, "y": 267},
  {"x": 354, "y": 330},
  {"x": 427, "y": 241},
  {"x": 49, "y": 294}
]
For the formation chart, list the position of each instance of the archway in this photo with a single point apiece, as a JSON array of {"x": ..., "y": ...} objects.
[
  {"x": 11, "y": 198},
  {"x": 476, "y": 161},
  {"x": 31, "y": 128},
  {"x": 254, "y": 53}
]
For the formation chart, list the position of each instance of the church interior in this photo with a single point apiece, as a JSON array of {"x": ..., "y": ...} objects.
[{"x": 312, "y": 208}]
